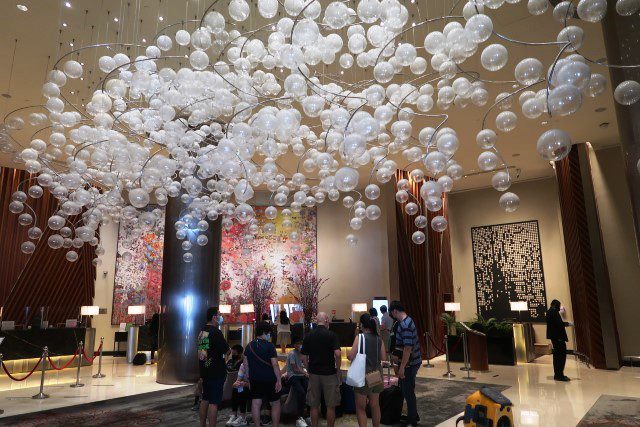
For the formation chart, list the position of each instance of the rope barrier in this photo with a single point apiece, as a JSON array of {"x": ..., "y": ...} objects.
[
  {"x": 4, "y": 367},
  {"x": 95, "y": 354},
  {"x": 53, "y": 366},
  {"x": 438, "y": 349},
  {"x": 456, "y": 345}
]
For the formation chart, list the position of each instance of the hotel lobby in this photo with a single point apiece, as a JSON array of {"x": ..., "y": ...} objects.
[{"x": 472, "y": 166}]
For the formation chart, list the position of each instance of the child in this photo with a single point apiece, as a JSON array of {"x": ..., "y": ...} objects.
[{"x": 240, "y": 396}]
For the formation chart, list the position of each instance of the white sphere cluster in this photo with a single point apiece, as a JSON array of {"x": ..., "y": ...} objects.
[{"x": 213, "y": 130}]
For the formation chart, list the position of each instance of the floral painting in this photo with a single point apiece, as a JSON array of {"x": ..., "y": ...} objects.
[
  {"x": 138, "y": 278},
  {"x": 276, "y": 255}
]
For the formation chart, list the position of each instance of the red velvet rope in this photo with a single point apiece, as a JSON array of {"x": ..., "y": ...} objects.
[
  {"x": 95, "y": 354},
  {"x": 53, "y": 366},
  {"x": 438, "y": 349},
  {"x": 21, "y": 379}
]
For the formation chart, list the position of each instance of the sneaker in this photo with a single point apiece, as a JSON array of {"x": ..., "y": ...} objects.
[
  {"x": 240, "y": 421},
  {"x": 301, "y": 422},
  {"x": 232, "y": 420}
]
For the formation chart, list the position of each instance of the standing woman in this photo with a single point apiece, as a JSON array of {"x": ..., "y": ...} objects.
[
  {"x": 284, "y": 331},
  {"x": 374, "y": 316},
  {"x": 375, "y": 353}
]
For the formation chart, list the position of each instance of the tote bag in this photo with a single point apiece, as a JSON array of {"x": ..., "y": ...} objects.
[{"x": 357, "y": 373}]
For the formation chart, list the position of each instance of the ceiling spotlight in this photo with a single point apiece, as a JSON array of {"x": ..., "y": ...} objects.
[
  {"x": 22, "y": 7},
  {"x": 71, "y": 44},
  {"x": 64, "y": 24},
  {"x": 67, "y": 4},
  {"x": 144, "y": 40},
  {"x": 160, "y": 18},
  {"x": 115, "y": 19}
]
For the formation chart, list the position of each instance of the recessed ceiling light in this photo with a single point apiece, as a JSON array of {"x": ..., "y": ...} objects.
[
  {"x": 67, "y": 4},
  {"x": 71, "y": 44},
  {"x": 115, "y": 19},
  {"x": 64, "y": 24},
  {"x": 160, "y": 18},
  {"x": 22, "y": 7},
  {"x": 144, "y": 40},
  {"x": 544, "y": 123}
]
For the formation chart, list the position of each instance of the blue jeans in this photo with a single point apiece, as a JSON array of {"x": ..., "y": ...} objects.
[{"x": 408, "y": 387}]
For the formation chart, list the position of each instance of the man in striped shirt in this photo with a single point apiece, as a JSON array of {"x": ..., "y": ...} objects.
[{"x": 407, "y": 340}]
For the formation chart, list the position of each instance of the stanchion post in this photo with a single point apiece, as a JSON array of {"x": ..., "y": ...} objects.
[
  {"x": 448, "y": 374},
  {"x": 77, "y": 383},
  {"x": 41, "y": 395},
  {"x": 428, "y": 364},
  {"x": 100, "y": 374},
  {"x": 1, "y": 410},
  {"x": 467, "y": 367}
]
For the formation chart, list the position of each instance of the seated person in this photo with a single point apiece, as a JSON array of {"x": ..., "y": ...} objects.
[{"x": 298, "y": 380}]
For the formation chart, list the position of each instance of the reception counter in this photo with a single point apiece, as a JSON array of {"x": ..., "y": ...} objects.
[{"x": 21, "y": 349}]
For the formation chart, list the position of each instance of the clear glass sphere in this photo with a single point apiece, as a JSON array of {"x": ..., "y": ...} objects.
[
  {"x": 501, "y": 181},
  {"x": 352, "y": 240},
  {"x": 627, "y": 7},
  {"x": 488, "y": 161},
  {"x": 486, "y": 139},
  {"x": 564, "y": 100},
  {"x": 418, "y": 237},
  {"x": 528, "y": 71},
  {"x": 554, "y": 145},
  {"x": 71, "y": 256},
  {"x": 509, "y": 202},
  {"x": 494, "y": 57},
  {"x": 627, "y": 92},
  {"x": 439, "y": 223},
  {"x": 506, "y": 121},
  {"x": 346, "y": 179},
  {"x": 537, "y": 7},
  {"x": 592, "y": 10},
  {"x": 597, "y": 85}
]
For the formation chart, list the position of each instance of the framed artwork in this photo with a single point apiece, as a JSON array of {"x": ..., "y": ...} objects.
[
  {"x": 138, "y": 278},
  {"x": 507, "y": 260}
]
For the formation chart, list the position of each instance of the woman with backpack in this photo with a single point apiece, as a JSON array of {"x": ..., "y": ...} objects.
[{"x": 372, "y": 346}]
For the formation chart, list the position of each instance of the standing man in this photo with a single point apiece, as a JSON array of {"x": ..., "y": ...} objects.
[
  {"x": 321, "y": 354},
  {"x": 386, "y": 326},
  {"x": 212, "y": 349},
  {"x": 558, "y": 336},
  {"x": 407, "y": 339}
]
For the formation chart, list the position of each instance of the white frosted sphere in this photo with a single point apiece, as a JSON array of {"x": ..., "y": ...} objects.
[
  {"x": 486, "y": 139},
  {"x": 509, "y": 202},
  {"x": 627, "y": 92},
  {"x": 554, "y": 145},
  {"x": 372, "y": 191},
  {"x": 106, "y": 64},
  {"x": 346, "y": 60},
  {"x": 572, "y": 35},
  {"x": 435, "y": 42},
  {"x": 417, "y": 175},
  {"x": 435, "y": 162},
  {"x": 405, "y": 54},
  {"x": 430, "y": 189},
  {"x": 183, "y": 37},
  {"x": 187, "y": 257},
  {"x": 533, "y": 108},
  {"x": 239, "y": 10},
  {"x": 352, "y": 240},
  {"x": 418, "y": 66},
  {"x": 27, "y": 247},
  {"x": 420, "y": 221},
  {"x": 418, "y": 237},
  {"x": 202, "y": 240},
  {"x": 575, "y": 73},
  {"x": 199, "y": 60},
  {"x": 439, "y": 223},
  {"x": 494, "y": 57},
  {"x": 268, "y": 8},
  {"x": 597, "y": 85},
  {"x": 56, "y": 222},
  {"x": 501, "y": 181},
  {"x": 373, "y": 212},
  {"x": 627, "y": 7},
  {"x": 488, "y": 161},
  {"x": 34, "y": 233},
  {"x": 472, "y": 7},
  {"x": 305, "y": 33},
  {"x": 346, "y": 179},
  {"x": 479, "y": 28},
  {"x": 72, "y": 69},
  {"x": 355, "y": 223},
  {"x": 528, "y": 71},
  {"x": 506, "y": 121},
  {"x": 446, "y": 183},
  {"x": 564, "y": 11},
  {"x": 383, "y": 72},
  {"x": 402, "y": 196},
  {"x": 411, "y": 208},
  {"x": 71, "y": 256},
  {"x": 164, "y": 43},
  {"x": 55, "y": 241},
  {"x": 537, "y": 7},
  {"x": 592, "y": 10},
  {"x": 138, "y": 198},
  {"x": 564, "y": 100}
]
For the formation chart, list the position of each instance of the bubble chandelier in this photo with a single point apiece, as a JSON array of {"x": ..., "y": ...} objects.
[{"x": 212, "y": 132}]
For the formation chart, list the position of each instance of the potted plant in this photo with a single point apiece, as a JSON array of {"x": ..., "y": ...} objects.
[
  {"x": 450, "y": 323},
  {"x": 259, "y": 289},
  {"x": 305, "y": 290}
]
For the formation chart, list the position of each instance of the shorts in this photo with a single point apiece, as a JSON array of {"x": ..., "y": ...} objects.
[
  {"x": 366, "y": 390},
  {"x": 212, "y": 390},
  {"x": 264, "y": 390},
  {"x": 323, "y": 385}
]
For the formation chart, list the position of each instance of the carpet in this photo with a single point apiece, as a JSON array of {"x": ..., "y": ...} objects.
[
  {"x": 438, "y": 400},
  {"x": 613, "y": 411}
]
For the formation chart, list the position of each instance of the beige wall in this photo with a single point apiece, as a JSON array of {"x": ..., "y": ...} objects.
[
  {"x": 616, "y": 224},
  {"x": 538, "y": 201},
  {"x": 356, "y": 274}
]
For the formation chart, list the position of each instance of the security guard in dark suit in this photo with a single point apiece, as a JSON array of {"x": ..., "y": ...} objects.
[{"x": 558, "y": 335}]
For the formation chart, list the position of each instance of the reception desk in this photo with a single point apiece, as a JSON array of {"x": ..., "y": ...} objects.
[{"x": 21, "y": 349}]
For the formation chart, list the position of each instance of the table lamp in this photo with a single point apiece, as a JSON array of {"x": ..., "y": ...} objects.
[
  {"x": 135, "y": 310},
  {"x": 89, "y": 310},
  {"x": 519, "y": 306},
  {"x": 224, "y": 309}
]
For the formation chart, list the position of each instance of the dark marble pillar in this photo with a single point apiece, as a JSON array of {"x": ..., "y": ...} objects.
[
  {"x": 622, "y": 41},
  {"x": 188, "y": 289}
]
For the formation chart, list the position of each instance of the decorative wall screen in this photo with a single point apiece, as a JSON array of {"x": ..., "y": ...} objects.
[{"x": 507, "y": 260}]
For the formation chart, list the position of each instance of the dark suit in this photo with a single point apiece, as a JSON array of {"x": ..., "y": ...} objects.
[{"x": 558, "y": 336}]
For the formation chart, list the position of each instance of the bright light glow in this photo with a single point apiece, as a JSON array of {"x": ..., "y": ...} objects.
[
  {"x": 89, "y": 310},
  {"x": 64, "y": 24},
  {"x": 224, "y": 309},
  {"x": 246, "y": 308},
  {"x": 22, "y": 7},
  {"x": 160, "y": 18},
  {"x": 136, "y": 309},
  {"x": 67, "y": 4},
  {"x": 451, "y": 306},
  {"x": 518, "y": 305},
  {"x": 359, "y": 307},
  {"x": 115, "y": 19}
]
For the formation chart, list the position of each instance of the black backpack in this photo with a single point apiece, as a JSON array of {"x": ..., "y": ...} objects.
[
  {"x": 139, "y": 359},
  {"x": 391, "y": 401}
]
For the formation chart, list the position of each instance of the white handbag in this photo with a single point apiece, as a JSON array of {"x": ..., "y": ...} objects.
[{"x": 357, "y": 373}]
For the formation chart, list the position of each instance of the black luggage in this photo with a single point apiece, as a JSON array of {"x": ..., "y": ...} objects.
[{"x": 391, "y": 401}]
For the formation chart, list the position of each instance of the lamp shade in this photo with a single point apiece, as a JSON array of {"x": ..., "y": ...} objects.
[
  {"x": 518, "y": 305},
  {"x": 89, "y": 310},
  {"x": 224, "y": 309},
  {"x": 246, "y": 308},
  {"x": 136, "y": 309},
  {"x": 360, "y": 307},
  {"x": 451, "y": 306}
]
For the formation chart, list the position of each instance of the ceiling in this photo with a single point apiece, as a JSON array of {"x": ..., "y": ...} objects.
[{"x": 49, "y": 28}]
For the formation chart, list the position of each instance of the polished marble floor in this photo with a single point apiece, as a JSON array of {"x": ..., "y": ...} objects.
[{"x": 538, "y": 400}]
